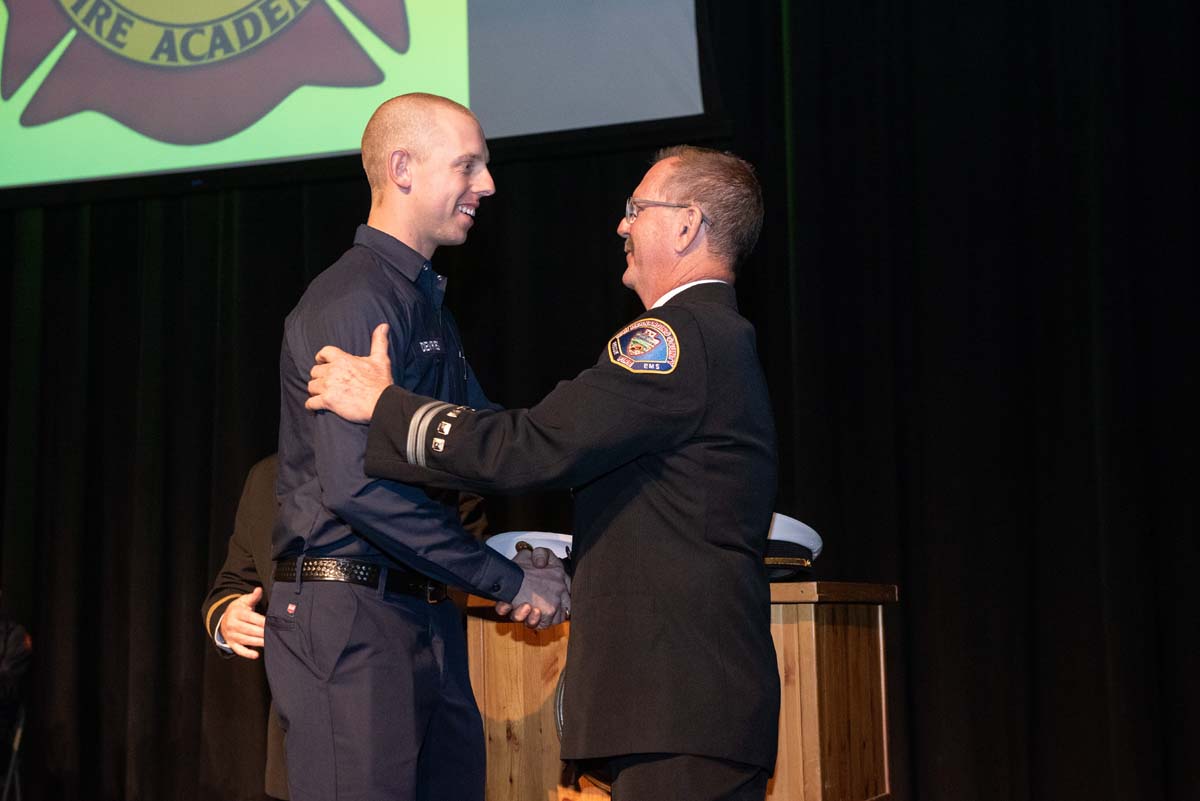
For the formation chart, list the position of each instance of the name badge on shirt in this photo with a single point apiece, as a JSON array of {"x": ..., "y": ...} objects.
[{"x": 430, "y": 346}]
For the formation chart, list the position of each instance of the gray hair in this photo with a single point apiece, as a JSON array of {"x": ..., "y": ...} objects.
[{"x": 725, "y": 189}]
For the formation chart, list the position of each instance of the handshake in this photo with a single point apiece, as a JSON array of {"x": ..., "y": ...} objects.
[{"x": 544, "y": 599}]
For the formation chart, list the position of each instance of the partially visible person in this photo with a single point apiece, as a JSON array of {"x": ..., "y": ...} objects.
[
  {"x": 669, "y": 444},
  {"x": 243, "y": 586},
  {"x": 16, "y": 653},
  {"x": 366, "y": 662}
]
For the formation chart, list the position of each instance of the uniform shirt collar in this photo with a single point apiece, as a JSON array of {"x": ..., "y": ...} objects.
[
  {"x": 682, "y": 287},
  {"x": 411, "y": 264}
]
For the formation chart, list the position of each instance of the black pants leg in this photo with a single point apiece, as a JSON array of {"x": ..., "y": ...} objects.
[{"x": 683, "y": 777}]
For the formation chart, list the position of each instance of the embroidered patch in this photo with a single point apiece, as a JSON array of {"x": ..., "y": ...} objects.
[
  {"x": 430, "y": 346},
  {"x": 646, "y": 346}
]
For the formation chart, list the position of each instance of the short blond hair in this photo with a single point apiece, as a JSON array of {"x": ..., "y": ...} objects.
[
  {"x": 404, "y": 122},
  {"x": 726, "y": 190}
]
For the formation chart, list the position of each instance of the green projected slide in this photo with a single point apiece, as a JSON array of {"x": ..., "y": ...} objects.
[{"x": 101, "y": 88}]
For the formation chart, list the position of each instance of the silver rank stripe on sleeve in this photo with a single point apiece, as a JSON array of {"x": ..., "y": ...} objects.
[
  {"x": 418, "y": 429},
  {"x": 419, "y": 426}
]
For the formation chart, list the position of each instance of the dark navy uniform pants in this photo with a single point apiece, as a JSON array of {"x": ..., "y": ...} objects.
[{"x": 374, "y": 693}]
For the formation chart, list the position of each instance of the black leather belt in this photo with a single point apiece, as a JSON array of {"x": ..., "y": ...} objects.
[{"x": 366, "y": 574}]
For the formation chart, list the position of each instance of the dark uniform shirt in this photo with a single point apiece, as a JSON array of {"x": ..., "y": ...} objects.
[{"x": 328, "y": 505}]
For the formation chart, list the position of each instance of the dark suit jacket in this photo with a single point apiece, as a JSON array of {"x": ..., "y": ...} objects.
[
  {"x": 669, "y": 444},
  {"x": 248, "y": 565},
  {"x": 248, "y": 561}
]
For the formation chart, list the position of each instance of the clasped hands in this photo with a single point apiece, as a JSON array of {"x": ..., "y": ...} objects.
[{"x": 544, "y": 599}]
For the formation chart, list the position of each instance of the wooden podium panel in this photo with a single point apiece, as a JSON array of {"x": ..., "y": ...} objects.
[
  {"x": 514, "y": 673},
  {"x": 833, "y": 714}
]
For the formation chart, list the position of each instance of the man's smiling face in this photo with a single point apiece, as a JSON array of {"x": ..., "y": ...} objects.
[
  {"x": 448, "y": 181},
  {"x": 647, "y": 239}
]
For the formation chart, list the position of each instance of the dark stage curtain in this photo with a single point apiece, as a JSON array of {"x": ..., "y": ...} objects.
[
  {"x": 974, "y": 302},
  {"x": 994, "y": 398}
]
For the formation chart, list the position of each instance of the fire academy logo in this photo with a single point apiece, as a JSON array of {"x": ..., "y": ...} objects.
[
  {"x": 188, "y": 71},
  {"x": 648, "y": 345},
  {"x": 172, "y": 34}
]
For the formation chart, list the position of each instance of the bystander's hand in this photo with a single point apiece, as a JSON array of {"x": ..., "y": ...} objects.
[{"x": 241, "y": 627}]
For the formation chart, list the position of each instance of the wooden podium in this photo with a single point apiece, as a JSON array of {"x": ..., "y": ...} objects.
[{"x": 833, "y": 711}]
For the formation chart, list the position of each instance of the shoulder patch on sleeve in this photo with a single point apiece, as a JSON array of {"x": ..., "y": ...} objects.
[{"x": 648, "y": 345}]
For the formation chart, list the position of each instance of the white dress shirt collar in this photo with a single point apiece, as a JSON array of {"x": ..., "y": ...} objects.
[{"x": 682, "y": 287}]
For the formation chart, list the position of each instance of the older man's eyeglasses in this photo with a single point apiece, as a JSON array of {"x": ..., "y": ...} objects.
[{"x": 635, "y": 204}]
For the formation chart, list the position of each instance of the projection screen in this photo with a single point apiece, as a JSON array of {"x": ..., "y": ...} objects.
[{"x": 108, "y": 88}]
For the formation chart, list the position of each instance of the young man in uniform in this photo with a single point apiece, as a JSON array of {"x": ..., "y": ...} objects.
[{"x": 367, "y": 663}]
